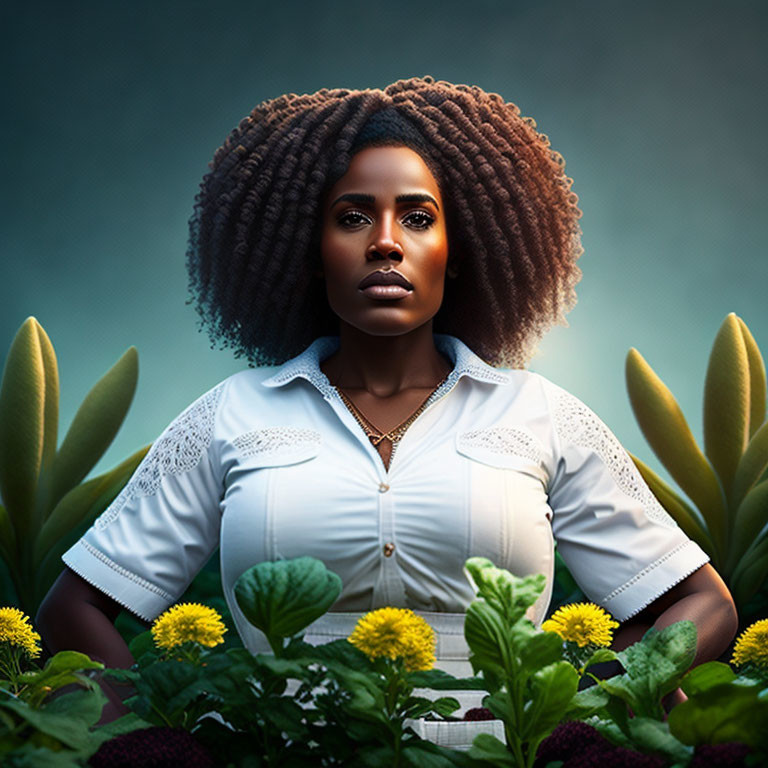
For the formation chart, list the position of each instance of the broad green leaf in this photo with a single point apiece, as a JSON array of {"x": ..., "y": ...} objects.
[
  {"x": 7, "y": 538},
  {"x": 438, "y": 680},
  {"x": 751, "y": 517},
  {"x": 751, "y": 466},
  {"x": 726, "y": 401},
  {"x": 599, "y": 656},
  {"x": 757, "y": 384},
  {"x": 284, "y": 597},
  {"x": 654, "y": 666},
  {"x": 67, "y": 718},
  {"x": 721, "y": 714},
  {"x": 706, "y": 676},
  {"x": 539, "y": 651},
  {"x": 490, "y": 749},
  {"x": 95, "y": 424},
  {"x": 22, "y": 426},
  {"x": 50, "y": 400},
  {"x": 751, "y": 572},
  {"x": 586, "y": 702},
  {"x": 667, "y": 432},
  {"x": 488, "y": 637},
  {"x": 552, "y": 689},
  {"x": 511, "y": 595},
  {"x": 84, "y": 502},
  {"x": 59, "y": 670},
  {"x": 653, "y": 736},
  {"x": 689, "y": 520}
]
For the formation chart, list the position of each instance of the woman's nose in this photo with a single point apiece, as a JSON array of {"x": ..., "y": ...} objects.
[{"x": 384, "y": 243}]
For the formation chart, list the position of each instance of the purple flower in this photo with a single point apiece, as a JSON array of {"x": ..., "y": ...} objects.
[{"x": 152, "y": 748}]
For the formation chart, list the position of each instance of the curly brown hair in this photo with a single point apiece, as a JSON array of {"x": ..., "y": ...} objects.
[{"x": 511, "y": 215}]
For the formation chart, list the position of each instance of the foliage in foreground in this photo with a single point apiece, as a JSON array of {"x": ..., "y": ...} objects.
[{"x": 354, "y": 704}]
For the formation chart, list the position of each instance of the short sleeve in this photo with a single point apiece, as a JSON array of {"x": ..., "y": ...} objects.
[
  {"x": 149, "y": 544},
  {"x": 621, "y": 546}
]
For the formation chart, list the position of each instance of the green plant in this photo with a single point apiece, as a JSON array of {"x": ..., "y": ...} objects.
[
  {"x": 530, "y": 685},
  {"x": 727, "y": 482},
  {"x": 46, "y": 506}
]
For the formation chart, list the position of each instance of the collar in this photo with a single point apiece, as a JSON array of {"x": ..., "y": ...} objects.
[{"x": 307, "y": 364}]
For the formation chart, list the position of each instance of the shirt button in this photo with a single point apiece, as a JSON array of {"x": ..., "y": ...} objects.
[
  {"x": 383, "y": 487},
  {"x": 389, "y": 548}
]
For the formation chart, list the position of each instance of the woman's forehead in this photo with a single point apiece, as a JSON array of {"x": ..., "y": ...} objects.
[{"x": 387, "y": 167}]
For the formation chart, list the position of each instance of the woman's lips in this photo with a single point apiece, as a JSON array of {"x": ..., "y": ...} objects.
[{"x": 380, "y": 292}]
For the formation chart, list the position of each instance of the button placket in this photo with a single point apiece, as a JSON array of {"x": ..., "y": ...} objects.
[{"x": 393, "y": 591}]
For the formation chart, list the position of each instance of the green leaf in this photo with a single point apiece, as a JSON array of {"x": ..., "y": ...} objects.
[
  {"x": 509, "y": 594},
  {"x": 95, "y": 424},
  {"x": 22, "y": 426},
  {"x": 552, "y": 689},
  {"x": 66, "y": 718},
  {"x": 488, "y": 638},
  {"x": 653, "y": 736},
  {"x": 60, "y": 670},
  {"x": 7, "y": 539},
  {"x": 726, "y": 401},
  {"x": 599, "y": 656},
  {"x": 655, "y": 666},
  {"x": 84, "y": 503},
  {"x": 438, "y": 680},
  {"x": 586, "y": 702},
  {"x": 141, "y": 644},
  {"x": 751, "y": 517},
  {"x": 706, "y": 676},
  {"x": 284, "y": 597},
  {"x": 540, "y": 650},
  {"x": 757, "y": 383},
  {"x": 489, "y": 748},
  {"x": 751, "y": 465},
  {"x": 720, "y": 714},
  {"x": 667, "y": 432}
]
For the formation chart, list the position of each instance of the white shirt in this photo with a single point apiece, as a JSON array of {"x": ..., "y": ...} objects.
[{"x": 502, "y": 463}]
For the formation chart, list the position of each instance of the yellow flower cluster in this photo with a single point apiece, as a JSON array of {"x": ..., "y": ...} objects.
[
  {"x": 188, "y": 622},
  {"x": 396, "y": 633},
  {"x": 752, "y": 645},
  {"x": 582, "y": 623},
  {"x": 16, "y": 630}
]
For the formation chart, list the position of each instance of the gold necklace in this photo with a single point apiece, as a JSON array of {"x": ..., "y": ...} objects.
[{"x": 394, "y": 434}]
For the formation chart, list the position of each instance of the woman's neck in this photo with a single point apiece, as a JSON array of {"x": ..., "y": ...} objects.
[{"x": 386, "y": 365}]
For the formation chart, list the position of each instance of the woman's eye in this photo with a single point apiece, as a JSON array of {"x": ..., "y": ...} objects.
[
  {"x": 420, "y": 219},
  {"x": 352, "y": 219}
]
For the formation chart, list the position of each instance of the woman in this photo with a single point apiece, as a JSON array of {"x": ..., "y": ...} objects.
[{"x": 379, "y": 256}]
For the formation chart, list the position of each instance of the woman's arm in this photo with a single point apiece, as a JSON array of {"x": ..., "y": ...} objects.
[
  {"x": 702, "y": 598},
  {"x": 76, "y": 616}
]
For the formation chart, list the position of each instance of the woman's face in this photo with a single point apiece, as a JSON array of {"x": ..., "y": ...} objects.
[{"x": 384, "y": 215}]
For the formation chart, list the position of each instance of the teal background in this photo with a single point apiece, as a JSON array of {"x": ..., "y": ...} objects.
[{"x": 112, "y": 111}]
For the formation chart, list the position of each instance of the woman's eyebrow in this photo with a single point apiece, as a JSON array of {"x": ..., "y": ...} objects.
[{"x": 360, "y": 197}]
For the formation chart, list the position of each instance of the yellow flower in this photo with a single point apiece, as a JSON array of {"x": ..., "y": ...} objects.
[
  {"x": 396, "y": 633},
  {"x": 752, "y": 645},
  {"x": 16, "y": 630},
  {"x": 188, "y": 622},
  {"x": 582, "y": 623}
]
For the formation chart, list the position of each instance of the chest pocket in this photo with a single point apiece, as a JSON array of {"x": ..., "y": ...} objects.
[
  {"x": 277, "y": 446},
  {"x": 509, "y": 518}
]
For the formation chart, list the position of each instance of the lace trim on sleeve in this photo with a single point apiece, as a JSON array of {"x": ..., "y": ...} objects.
[
  {"x": 179, "y": 449},
  {"x": 577, "y": 423}
]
